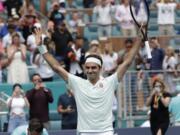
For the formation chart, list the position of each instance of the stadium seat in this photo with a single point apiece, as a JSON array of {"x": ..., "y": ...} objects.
[
  {"x": 55, "y": 120},
  {"x": 153, "y": 14},
  {"x": 79, "y": 4},
  {"x": 92, "y": 28}
]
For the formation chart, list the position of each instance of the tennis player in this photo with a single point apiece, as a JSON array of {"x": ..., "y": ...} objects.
[{"x": 94, "y": 96}]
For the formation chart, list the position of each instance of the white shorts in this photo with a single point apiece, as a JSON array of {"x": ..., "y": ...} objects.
[{"x": 98, "y": 133}]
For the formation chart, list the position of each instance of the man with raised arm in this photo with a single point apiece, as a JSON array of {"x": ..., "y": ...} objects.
[{"x": 94, "y": 96}]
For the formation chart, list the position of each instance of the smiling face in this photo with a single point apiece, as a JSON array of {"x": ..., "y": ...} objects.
[{"x": 92, "y": 71}]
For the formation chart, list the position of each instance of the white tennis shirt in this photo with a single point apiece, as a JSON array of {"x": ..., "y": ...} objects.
[{"x": 94, "y": 102}]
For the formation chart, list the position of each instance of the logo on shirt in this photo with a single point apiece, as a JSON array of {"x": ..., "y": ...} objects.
[{"x": 101, "y": 85}]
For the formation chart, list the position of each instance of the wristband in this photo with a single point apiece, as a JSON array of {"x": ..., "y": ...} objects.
[{"x": 42, "y": 49}]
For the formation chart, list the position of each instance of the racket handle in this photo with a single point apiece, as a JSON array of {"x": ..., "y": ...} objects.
[{"x": 148, "y": 50}]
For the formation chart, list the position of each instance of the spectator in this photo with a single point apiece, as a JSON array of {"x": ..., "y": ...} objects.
[
  {"x": 31, "y": 42},
  {"x": 43, "y": 67},
  {"x": 109, "y": 58},
  {"x": 157, "y": 55},
  {"x": 94, "y": 110},
  {"x": 77, "y": 56},
  {"x": 39, "y": 98},
  {"x": 27, "y": 21},
  {"x": 103, "y": 13},
  {"x": 123, "y": 16},
  {"x": 13, "y": 7},
  {"x": 141, "y": 12},
  {"x": 18, "y": 70},
  {"x": 7, "y": 38},
  {"x": 35, "y": 127},
  {"x": 158, "y": 101},
  {"x": 174, "y": 108},
  {"x": 56, "y": 16},
  {"x": 169, "y": 65},
  {"x": 16, "y": 104},
  {"x": 67, "y": 108},
  {"x": 88, "y": 3},
  {"x": 94, "y": 48},
  {"x": 63, "y": 40},
  {"x": 75, "y": 22},
  {"x": 166, "y": 17},
  {"x": 123, "y": 53},
  {"x": 3, "y": 63}
]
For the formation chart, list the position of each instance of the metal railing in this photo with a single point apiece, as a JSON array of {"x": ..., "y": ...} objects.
[{"x": 132, "y": 97}]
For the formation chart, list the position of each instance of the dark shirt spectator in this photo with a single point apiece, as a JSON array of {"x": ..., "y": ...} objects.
[
  {"x": 88, "y": 3},
  {"x": 157, "y": 59},
  {"x": 157, "y": 55},
  {"x": 39, "y": 97},
  {"x": 62, "y": 39},
  {"x": 13, "y": 7},
  {"x": 67, "y": 107},
  {"x": 56, "y": 16}
]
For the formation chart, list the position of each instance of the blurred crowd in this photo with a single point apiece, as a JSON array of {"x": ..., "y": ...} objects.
[{"x": 66, "y": 41}]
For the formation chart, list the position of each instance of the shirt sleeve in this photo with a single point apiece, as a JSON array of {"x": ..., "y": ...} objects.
[
  {"x": 45, "y": 132},
  {"x": 74, "y": 81},
  {"x": 113, "y": 80}
]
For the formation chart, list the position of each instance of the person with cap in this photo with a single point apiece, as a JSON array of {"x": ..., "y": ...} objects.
[
  {"x": 31, "y": 42},
  {"x": 94, "y": 95},
  {"x": 35, "y": 127},
  {"x": 174, "y": 108},
  {"x": 94, "y": 48}
]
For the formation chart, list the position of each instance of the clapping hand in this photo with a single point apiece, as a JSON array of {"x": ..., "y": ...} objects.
[{"x": 38, "y": 37}]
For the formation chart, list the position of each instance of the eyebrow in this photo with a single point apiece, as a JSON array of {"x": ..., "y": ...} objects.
[{"x": 90, "y": 66}]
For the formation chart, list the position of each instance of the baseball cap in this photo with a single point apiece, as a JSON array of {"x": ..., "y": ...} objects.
[
  {"x": 37, "y": 25},
  {"x": 94, "y": 42}
]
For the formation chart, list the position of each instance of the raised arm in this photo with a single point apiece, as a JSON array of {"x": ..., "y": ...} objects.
[
  {"x": 122, "y": 68},
  {"x": 49, "y": 58}
]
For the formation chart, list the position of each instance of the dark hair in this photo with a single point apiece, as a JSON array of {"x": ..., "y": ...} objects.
[
  {"x": 94, "y": 56},
  {"x": 35, "y": 74},
  {"x": 35, "y": 125},
  {"x": 15, "y": 85},
  {"x": 153, "y": 38}
]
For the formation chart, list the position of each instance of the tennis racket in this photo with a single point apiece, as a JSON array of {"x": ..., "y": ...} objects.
[{"x": 143, "y": 30}]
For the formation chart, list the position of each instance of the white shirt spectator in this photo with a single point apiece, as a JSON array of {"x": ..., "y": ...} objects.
[
  {"x": 103, "y": 14},
  {"x": 31, "y": 44},
  {"x": 166, "y": 13},
  {"x": 142, "y": 13},
  {"x": 43, "y": 67},
  {"x": 123, "y": 16},
  {"x": 74, "y": 66},
  {"x": 169, "y": 63},
  {"x": 109, "y": 62},
  {"x": 31, "y": 41},
  {"x": 17, "y": 105},
  {"x": 7, "y": 39}
]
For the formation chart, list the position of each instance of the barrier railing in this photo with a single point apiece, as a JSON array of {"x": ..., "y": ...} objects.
[{"x": 133, "y": 91}]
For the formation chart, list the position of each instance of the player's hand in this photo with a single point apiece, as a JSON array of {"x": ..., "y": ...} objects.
[{"x": 38, "y": 36}]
